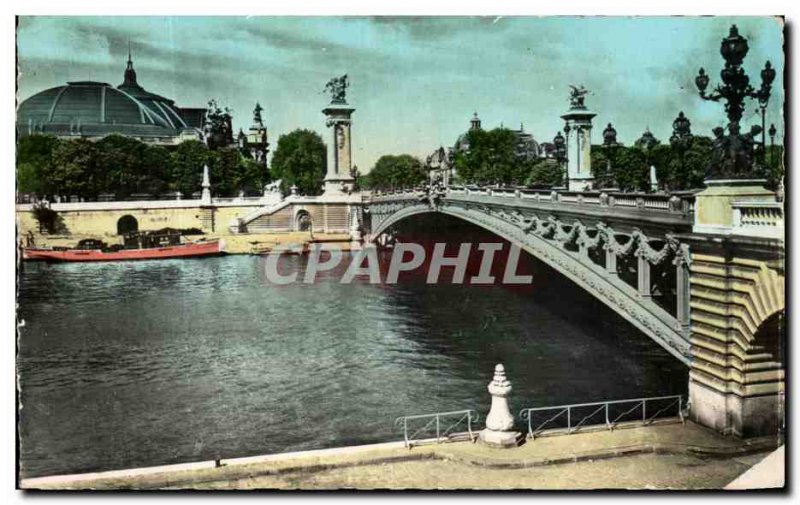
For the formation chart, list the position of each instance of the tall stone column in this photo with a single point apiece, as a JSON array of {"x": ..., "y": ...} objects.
[
  {"x": 338, "y": 118},
  {"x": 579, "y": 142}
]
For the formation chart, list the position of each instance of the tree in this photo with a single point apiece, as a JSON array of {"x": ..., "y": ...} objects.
[
  {"x": 546, "y": 173},
  {"x": 48, "y": 219},
  {"x": 774, "y": 166},
  {"x": 491, "y": 158},
  {"x": 399, "y": 171},
  {"x": 75, "y": 169},
  {"x": 186, "y": 166},
  {"x": 602, "y": 165},
  {"x": 252, "y": 176},
  {"x": 218, "y": 125},
  {"x": 120, "y": 163},
  {"x": 629, "y": 169},
  {"x": 156, "y": 177},
  {"x": 300, "y": 160},
  {"x": 34, "y": 162}
]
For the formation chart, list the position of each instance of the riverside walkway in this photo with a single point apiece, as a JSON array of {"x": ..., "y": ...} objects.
[{"x": 668, "y": 455}]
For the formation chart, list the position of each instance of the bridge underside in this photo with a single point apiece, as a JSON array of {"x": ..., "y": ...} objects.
[{"x": 548, "y": 242}]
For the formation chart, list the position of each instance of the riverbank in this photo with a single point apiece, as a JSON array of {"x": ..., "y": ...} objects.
[
  {"x": 663, "y": 456},
  {"x": 257, "y": 243}
]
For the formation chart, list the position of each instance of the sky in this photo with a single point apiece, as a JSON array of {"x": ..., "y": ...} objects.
[{"x": 414, "y": 81}]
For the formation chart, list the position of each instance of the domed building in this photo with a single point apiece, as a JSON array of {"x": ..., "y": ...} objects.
[
  {"x": 527, "y": 147},
  {"x": 94, "y": 110}
]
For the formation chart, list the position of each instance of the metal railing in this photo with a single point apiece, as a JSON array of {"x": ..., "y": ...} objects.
[
  {"x": 567, "y": 413},
  {"x": 444, "y": 431}
]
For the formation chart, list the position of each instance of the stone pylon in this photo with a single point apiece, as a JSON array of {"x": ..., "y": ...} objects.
[
  {"x": 338, "y": 179},
  {"x": 578, "y": 128},
  {"x": 499, "y": 430}
]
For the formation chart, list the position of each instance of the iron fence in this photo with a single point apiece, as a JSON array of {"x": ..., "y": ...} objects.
[
  {"x": 614, "y": 412},
  {"x": 442, "y": 423}
]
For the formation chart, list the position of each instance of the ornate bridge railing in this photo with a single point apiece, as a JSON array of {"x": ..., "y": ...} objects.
[
  {"x": 570, "y": 418},
  {"x": 622, "y": 248},
  {"x": 674, "y": 204}
]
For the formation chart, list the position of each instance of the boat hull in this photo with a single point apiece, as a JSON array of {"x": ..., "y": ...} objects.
[{"x": 199, "y": 249}]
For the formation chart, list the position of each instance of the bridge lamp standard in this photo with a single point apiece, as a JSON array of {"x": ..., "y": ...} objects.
[
  {"x": 560, "y": 144},
  {"x": 681, "y": 138},
  {"x": 609, "y": 142},
  {"x": 736, "y": 83},
  {"x": 772, "y": 132}
]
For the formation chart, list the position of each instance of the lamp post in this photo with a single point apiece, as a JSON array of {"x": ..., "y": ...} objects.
[
  {"x": 772, "y": 132},
  {"x": 681, "y": 136},
  {"x": 734, "y": 90},
  {"x": 567, "y": 130},
  {"x": 609, "y": 141},
  {"x": 560, "y": 144}
]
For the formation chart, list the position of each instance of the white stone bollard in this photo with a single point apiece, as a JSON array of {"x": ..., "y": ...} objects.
[{"x": 499, "y": 430}]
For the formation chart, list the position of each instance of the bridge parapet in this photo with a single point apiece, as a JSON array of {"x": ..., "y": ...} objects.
[
  {"x": 758, "y": 219},
  {"x": 679, "y": 203}
]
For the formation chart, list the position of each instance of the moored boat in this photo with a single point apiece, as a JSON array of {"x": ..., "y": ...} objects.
[{"x": 137, "y": 246}]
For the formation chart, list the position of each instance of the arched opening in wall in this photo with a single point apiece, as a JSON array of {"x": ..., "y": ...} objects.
[
  {"x": 771, "y": 337},
  {"x": 127, "y": 224},
  {"x": 304, "y": 222}
]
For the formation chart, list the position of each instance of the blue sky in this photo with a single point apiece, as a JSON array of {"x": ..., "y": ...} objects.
[{"x": 415, "y": 82}]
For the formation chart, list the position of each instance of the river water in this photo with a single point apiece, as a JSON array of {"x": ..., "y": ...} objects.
[{"x": 155, "y": 362}]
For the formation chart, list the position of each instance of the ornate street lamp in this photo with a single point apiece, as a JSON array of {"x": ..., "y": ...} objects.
[
  {"x": 681, "y": 137},
  {"x": 681, "y": 132},
  {"x": 734, "y": 153},
  {"x": 647, "y": 141},
  {"x": 772, "y": 132},
  {"x": 560, "y": 144},
  {"x": 567, "y": 130},
  {"x": 609, "y": 142},
  {"x": 609, "y": 136},
  {"x": 560, "y": 154},
  {"x": 767, "y": 78}
]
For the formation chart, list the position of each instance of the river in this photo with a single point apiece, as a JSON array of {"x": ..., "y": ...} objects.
[{"x": 145, "y": 363}]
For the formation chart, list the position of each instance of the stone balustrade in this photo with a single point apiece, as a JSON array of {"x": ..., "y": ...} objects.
[
  {"x": 672, "y": 204},
  {"x": 758, "y": 219}
]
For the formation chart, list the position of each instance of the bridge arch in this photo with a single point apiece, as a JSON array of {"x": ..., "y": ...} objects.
[{"x": 644, "y": 314}]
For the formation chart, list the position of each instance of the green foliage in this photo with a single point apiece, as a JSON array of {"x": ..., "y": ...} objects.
[
  {"x": 123, "y": 159},
  {"x": 186, "y": 166},
  {"x": 398, "y": 171},
  {"x": 628, "y": 168},
  {"x": 546, "y": 173},
  {"x": 601, "y": 166},
  {"x": 775, "y": 169},
  {"x": 492, "y": 159},
  {"x": 300, "y": 160},
  {"x": 124, "y": 166},
  {"x": 48, "y": 219},
  {"x": 75, "y": 169},
  {"x": 34, "y": 159}
]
